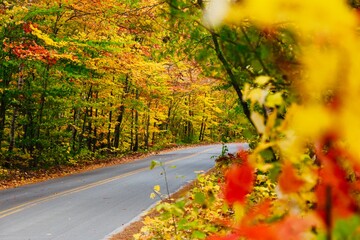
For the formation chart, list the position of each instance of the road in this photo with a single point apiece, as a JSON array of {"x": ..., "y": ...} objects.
[{"x": 94, "y": 204}]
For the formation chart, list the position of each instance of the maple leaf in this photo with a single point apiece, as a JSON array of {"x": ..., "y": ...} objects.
[
  {"x": 289, "y": 182},
  {"x": 239, "y": 182}
]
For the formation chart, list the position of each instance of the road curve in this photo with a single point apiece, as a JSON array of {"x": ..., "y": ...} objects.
[{"x": 91, "y": 205}]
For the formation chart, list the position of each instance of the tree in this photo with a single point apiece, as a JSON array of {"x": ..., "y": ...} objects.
[{"x": 100, "y": 81}]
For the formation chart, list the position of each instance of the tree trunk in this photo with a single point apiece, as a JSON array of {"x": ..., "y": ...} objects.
[
  {"x": 42, "y": 103},
  {"x": 20, "y": 84},
  {"x": 94, "y": 140},
  {"x": 232, "y": 77},
  {"x": 109, "y": 131},
  {"x": 83, "y": 129},
  {"x": 74, "y": 131},
  {"x": 202, "y": 129},
  {"x": 132, "y": 130},
  {"x": 2, "y": 117},
  {"x": 136, "y": 143},
  {"x": 120, "y": 117},
  {"x": 89, "y": 128},
  {"x": 147, "y": 127}
]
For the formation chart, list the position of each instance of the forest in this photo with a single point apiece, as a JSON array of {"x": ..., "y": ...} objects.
[{"x": 85, "y": 79}]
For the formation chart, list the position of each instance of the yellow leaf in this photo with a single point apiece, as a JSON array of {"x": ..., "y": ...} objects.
[
  {"x": 274, "y": 100},
  {"x": 258, "y": 121},
  {"x": 262, "y": 80},
  {"x": 152, "y": 195},
  {"x": 157, "y": 188}
]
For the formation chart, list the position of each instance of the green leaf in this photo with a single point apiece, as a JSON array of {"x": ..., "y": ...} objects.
[
  {"x": 199, "y": 198},
  {"x": 267, "y": 155},
  {"x": 274, "y": 172},
  {"x": 247, "y": 134},
  {"x": 199, "y": 235},
  {"x": 347, "y": 228},
  {"x": 153, "y": 164},
  {"x": 180, "y": 204}
]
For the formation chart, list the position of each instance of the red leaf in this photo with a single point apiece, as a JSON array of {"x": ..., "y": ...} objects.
[
  {"x": 243, "y": 155},
  {"x": 239, "y": 182}
]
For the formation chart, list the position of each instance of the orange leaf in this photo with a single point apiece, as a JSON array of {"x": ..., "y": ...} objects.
[
  {"x": 261, "y": 209},
  {"x": 289, "y": 182},
  {"x": 258, "y": 232}
]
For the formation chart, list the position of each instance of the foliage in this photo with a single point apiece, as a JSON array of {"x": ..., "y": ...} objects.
[{"x": 80, "y": 79}]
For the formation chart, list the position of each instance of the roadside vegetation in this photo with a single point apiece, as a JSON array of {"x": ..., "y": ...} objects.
[{"x": 85, "y": 79}]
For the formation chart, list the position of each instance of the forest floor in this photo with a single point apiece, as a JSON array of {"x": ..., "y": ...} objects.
[{"x": 16, "y": 178}]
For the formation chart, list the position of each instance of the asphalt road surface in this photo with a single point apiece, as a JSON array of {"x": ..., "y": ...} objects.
[{"x": 92, "y": 205}]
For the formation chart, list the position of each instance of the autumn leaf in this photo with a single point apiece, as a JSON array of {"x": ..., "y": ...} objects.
[
  {"x": 295, "y": 227},
  {"x": 243, "y": 155},
  {"x": 261, "y": 209},
  {"x": 239, "y": 182},
  {"x": 289, "y": 182},
  {"x": 157, "y": 188},
  {"x": 152, "y": 195},
  {"x": 258, "y": 232}
]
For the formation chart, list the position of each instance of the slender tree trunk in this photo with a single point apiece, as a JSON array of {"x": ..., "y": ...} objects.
[
  {"x": 2, "y": 117},
  {"x": 42, "y": 102},
  {"x": 109, "y": 131},
  {"x": 168, "y": 122},
  {"x": 147, "y": 127},
  {"x": 3, "y": 106},
  {"x": 83, "y": 129},
  {"x": 154, "y": 125},
  {"x": 20, "y": 84},
  {"x": 202, "y": 129},
  {"x": 132, "y": 130},
  {"x": 74, "y": 131},
  {"x": 95, "y": 127},
  {"x": 203, "y": 132},
  {"x": 120, "y": 117},
  {"x": 153, "y": 135},
  {"x": 12, "y": 130},
  {"x": 89, "y": 128},
  {"x": 136, "y": 143}
]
